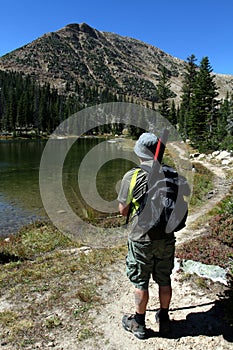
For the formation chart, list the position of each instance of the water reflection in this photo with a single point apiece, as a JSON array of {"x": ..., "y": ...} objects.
[{"x": 20, "y": 201}]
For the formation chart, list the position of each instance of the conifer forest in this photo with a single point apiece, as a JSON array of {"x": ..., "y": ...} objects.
[{"x": 30, "y": 108}]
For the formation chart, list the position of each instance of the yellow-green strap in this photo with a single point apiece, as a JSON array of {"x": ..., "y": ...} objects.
[{"x": 131, "y": 187}]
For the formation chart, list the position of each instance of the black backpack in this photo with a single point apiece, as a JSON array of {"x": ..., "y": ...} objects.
[{"x": 163, "y": 208}]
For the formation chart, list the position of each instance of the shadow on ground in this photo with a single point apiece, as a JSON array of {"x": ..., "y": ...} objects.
[{"x": 210, "y": 323}]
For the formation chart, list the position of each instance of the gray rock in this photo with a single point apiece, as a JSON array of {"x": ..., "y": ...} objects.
[{"x": 213, "y": 272}]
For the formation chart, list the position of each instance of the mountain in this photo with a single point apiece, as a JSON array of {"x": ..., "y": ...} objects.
[{"x": 79, "y": 54}]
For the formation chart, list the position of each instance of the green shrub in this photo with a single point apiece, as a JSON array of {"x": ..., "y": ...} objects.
[
  {"x": 203, "y": 183},
  {"x": 222, "y": 229}
]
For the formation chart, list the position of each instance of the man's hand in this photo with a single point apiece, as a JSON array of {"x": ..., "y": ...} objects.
[{"x": 123, "y": 209}]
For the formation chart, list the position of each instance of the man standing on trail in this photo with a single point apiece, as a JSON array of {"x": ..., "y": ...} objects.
[{"x": 146, "y": 256}]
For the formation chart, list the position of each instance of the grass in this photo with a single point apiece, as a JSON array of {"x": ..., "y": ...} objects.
[
  {"x": 55, "y": 282},
  {"x": 31, "y": 241},
  {"x": 203, "y": 183}
]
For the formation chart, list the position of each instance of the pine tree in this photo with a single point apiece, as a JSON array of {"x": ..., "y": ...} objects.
[
  {"x": 225, "y": 123},
  {"x": 203, "y": 113},
  {"x": 11, "y": 111},
  {"x": 22, "y": 111},
  {"x": 173, "y": 114},
  {"x": 187, "y": 92},
  {"x": 229, "y": 125},
  {"x": 164, "y": 93}
]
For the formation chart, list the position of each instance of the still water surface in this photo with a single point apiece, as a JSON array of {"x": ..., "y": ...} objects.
[{"x": 20, "y": 201}]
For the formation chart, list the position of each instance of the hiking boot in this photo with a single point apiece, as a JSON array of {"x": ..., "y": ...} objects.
[
  {"x": 130, "y": 324},
  {"x": 164, "y": 324}
]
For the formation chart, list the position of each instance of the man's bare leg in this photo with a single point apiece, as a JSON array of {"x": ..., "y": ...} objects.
[
  {"x": 141, "y": 300},
  {"x": 165, "y": 294}
]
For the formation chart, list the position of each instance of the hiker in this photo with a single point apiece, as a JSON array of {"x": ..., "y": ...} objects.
[{"x": 146, "y": 256}]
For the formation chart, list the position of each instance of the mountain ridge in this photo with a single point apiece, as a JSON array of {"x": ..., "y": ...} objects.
[{"x": 78, "y": 53}]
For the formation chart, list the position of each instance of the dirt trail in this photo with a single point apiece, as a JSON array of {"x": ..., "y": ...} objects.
[{"x": 196, "y": 317}]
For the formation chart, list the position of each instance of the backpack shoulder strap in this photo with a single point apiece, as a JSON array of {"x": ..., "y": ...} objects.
[{"x": 132, "y": 184}]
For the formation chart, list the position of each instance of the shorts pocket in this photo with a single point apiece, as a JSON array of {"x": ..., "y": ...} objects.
[{"x": 131, "y": 269}]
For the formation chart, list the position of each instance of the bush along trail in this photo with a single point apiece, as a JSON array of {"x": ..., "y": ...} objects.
[{"x": 56, "y": 293}]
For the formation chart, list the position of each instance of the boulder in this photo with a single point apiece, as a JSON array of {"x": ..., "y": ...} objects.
[
  {"x": 201, "y": 156},
  {"x": 227, "y": 161},
  {"x": 215, "y": 153},
  {"x": 213, "y": 272},
  {"x": 222, "y": 155}
]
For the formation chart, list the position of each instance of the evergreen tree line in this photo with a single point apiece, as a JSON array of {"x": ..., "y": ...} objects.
[
  {"x": 201, "y": 116},
  {"x": 25, "y": 105}
]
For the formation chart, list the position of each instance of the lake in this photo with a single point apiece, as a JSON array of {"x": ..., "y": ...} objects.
[{"x": 20, "y": 200}]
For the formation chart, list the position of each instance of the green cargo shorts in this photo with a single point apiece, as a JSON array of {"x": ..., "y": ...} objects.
[{"x": 146, "y": 259}]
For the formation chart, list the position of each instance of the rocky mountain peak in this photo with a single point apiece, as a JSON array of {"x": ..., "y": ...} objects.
[
  {"x": 79, "y": 53},
  {"x": 82, "y": 27}
]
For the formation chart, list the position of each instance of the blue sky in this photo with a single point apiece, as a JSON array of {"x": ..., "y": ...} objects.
[{"x": 178, "y": 27}]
